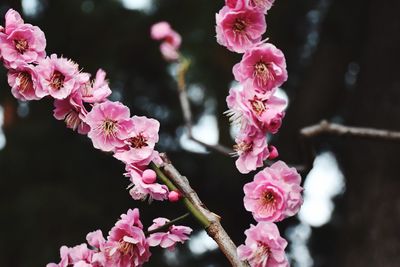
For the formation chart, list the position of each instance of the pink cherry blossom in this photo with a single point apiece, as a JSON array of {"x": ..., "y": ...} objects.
[
  {"x": 274, "y": 194},
  {"x": 264, "y": 247},
  {"x": 169, "y": 238},
  {"x": 236, "y": 4},
  {"x": 140, "y": 190},
  {"x": 264, "y": 65},
  {"x": 169, "y": 52},
  {"x": 76, "y": 256},
  {"x": 72, "y": 111},
  {"x": 110, "y": 125},
  {"x": 247, "y": 106},
  {"x": 24, "y": 82},
  {"x": 24, "y": 44},
  {"x": 260, "y": 5},
  {"x": 251, "y": 147},
  {"x": 127, "y": 245},
  {"x": 96, "y": 240},
  {"x": 13, "y": 20},
  {"x": 171, "y": 40},
  {"x": 97, "y": 90},
  {"x": 59, "y": 77},
  {"x": 139, "y": 144},
  {"x": 241, "y": 29}
]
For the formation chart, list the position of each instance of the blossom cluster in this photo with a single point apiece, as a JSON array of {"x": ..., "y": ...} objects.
[
  {"x": 275, "y": 192},
  {"x": 83, "y": 104},
  {"x": 126, "y": 245},
  {"x": 252, "y": 105}
]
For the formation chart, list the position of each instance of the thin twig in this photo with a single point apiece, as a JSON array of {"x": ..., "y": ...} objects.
[
  {"x": 167, "y": 225},
  {"x": 325, "y": 127},
  {"x": 187, "y": 113},
  {"x": 214, "y": 229}
]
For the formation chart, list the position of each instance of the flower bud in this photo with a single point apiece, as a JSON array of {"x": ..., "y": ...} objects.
[
  {"x": 273, "y": 152},
  {"x": 174, "y": 196},
  {"x": 149, "y": 176}
]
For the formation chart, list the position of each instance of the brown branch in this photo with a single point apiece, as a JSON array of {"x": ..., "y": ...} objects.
[
  {"x": 215, "y": 229},
  {"x": 187, "y": 113},
  {"x": 325, "y": 127}
]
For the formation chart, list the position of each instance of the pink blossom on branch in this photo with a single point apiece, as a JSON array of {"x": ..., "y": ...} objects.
[
  {"x": 79, "y": 255},
  {"x": 140, "y": 189},
  {"x": 13, "y": 20},
  {"x": 252, "y": 149},
  {"x": 22, "y": 43},
  {"x": 59, "y": 77},
  {"x": 265, "y": 66},
  {"x": 96, "y": 91},
  {"x": 260, "y": 5},
  {"x": 139, "y": 144},
  {"x": 110, "y": 125},
  {"x": 247, "y": 106},
  {"x": 171, "y": 40},
  {"x": 19, "y": 42},
  {"x": 127, "y": 245},
  {"x": 24, "y": 82},
  {"x": 72, "y": 111},
  {"x": 264, "y": 247},
  {"x": 274, "y": 194},
  {"x": 241, "y": 29},
  {"x": 168, "y": 239}
]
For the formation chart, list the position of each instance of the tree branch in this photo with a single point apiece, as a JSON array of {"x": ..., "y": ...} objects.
[
  {"x": 187, "y": 113},
  {"x": 325, "y": 127},
  {"x": 214, "y": 228}
]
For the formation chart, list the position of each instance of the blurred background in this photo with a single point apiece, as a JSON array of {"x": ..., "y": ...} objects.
[{"x": 343, "y": 61}]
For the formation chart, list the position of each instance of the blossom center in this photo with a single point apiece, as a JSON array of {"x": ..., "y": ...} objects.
[
  {"x": 262, "y": 252},
  {"x": 262, "y": 72},
  {"x": 109, "y": 126},
  {"x": 269, "y": 198},
  {"x": 72, "y": 120},
  {"x": 242, "y": 147},
  {"x": 239, "y": 25},
  {"x": 25, "y": 81},
  {"x": 126, "y": 248},
  {"x": 21, "y": 45},
  {"x": 57, "y": 80},
  {"x": 258, "y": 105},
  {"x": 138, "y": 141}
]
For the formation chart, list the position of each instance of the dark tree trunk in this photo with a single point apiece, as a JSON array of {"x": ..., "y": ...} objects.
[{"x": 372, "y": 236}]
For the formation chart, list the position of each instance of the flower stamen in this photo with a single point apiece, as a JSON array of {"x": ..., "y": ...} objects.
[
  {"x": 138, "y": 141},
  {"x": 21, "y": 45},
  {"x": 25, "y": 81},
  {"x": 57, "y": 80},
  {"x": 109, "y": 127},
  {"x": 262, "y": 72},
  {"x": 239, "y": 25},
  {"x": 258, "y": 105}
]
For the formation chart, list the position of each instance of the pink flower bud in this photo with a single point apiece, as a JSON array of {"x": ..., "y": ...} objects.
[
  {"x": 149, "y": 176},
  {"x": 273, "y": 152},
  {"x": 174, "y": 196}
]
